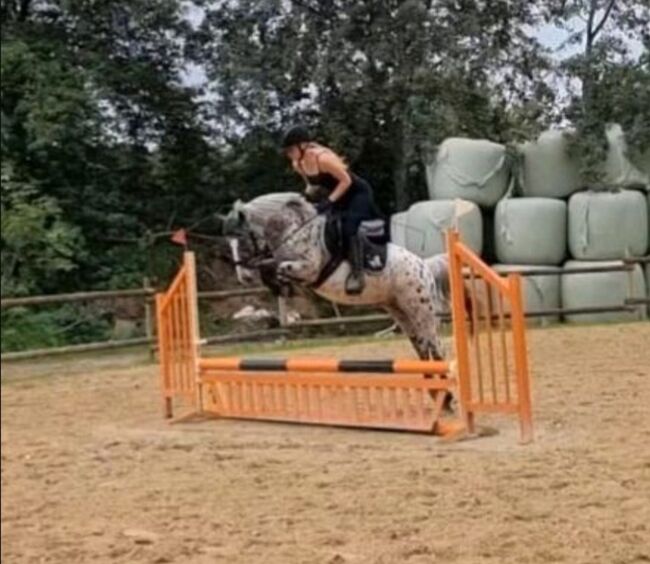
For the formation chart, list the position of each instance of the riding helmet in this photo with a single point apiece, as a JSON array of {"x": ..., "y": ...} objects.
[{"x": 296, "y": 135}]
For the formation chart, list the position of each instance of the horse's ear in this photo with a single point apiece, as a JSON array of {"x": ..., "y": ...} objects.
[
  {"x": 238, "y": 212},
  {"x": 234, "y": 220}
]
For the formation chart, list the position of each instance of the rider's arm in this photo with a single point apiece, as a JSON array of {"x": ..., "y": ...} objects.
[{"x": 332, "y": 164}]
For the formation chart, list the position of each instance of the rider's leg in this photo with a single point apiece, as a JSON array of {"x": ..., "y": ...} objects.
[
  {"x": 354, "y": 283},
  {"x": 360, "y": 207},
  {"x": 353, "y": 248}
]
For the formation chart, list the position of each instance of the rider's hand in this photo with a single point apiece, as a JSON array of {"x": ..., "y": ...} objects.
[{"x": 324, "y": 206}]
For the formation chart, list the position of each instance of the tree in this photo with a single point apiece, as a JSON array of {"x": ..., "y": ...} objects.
[
  {"x": 614, "y": 83},
  {"x": 37, "y": 244},
  {"x": 377, "y": 78},
  {"x": 95, "y": 116}
]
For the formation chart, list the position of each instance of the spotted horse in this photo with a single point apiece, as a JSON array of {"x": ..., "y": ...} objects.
[{"x": 284, "y": 230}]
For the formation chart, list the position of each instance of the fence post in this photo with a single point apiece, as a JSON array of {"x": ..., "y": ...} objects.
[
  {"x": 282, "y": 311},
  {"x": 148, "y": 318}
]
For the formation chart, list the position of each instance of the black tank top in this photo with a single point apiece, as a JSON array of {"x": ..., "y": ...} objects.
[{"x": 329, "y": 183}]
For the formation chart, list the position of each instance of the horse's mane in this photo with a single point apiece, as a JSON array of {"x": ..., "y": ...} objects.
[
  {"x": 276, "y": 201},
  {"x": 268, "y": 206}
]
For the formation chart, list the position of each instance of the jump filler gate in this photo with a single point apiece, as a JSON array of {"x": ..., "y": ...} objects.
[{"x": 489, "y": 373}]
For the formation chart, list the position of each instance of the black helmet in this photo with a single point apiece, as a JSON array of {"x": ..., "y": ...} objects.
[{"x": 295, "y": 135}]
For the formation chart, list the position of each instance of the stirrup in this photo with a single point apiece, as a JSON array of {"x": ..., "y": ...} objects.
[{"x": 354, "y": 284}]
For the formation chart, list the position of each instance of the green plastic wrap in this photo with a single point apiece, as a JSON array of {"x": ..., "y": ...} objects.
[
  {"x": 428, "y": 222},
  {"x": 471, "y": 169},
  {"x": 531, "y": 231},
  {"x": 608, "y": 225},
  {"x": 600, "y": 289},
  {"x": 547, "y": 170}
]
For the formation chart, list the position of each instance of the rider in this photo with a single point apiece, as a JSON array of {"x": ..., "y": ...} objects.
[{"x": 347, "y": 194}]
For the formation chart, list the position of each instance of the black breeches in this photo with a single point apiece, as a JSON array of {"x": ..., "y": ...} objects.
[{"x": 359, "y": 207}]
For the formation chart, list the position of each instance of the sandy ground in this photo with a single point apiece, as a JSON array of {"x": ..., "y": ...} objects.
[{"x": 91, "y": 473}]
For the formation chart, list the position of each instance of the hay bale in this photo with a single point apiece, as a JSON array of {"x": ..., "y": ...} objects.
[
  {"x": 547, "y": 170},
  {"x": 469, "y": 169},
  {"x": 530, "y": 231},
  {"x": 428, "y": 222},
  {"x": 600, "y": 289},
  {"x": 608, "y": 225}
]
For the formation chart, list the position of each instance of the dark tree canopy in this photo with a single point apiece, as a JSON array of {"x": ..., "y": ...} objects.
[{"x": 106, "y": 147}]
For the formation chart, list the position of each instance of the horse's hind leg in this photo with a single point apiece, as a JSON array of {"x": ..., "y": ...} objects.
[{"x": 422, "y": 331}]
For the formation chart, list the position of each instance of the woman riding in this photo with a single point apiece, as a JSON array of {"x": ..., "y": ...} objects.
[{"x": 346, "y": 194}]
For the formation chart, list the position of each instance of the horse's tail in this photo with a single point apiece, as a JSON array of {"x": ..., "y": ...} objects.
[{"x": 439, "y": 267}]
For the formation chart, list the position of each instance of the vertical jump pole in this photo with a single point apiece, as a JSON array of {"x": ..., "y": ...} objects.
[
  {"x": 521, "y": 361},
  {"x": 192, "y": 308},
  {"x": 460, "y": 332}
]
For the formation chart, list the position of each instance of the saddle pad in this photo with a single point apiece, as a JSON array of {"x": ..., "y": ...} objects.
[
  {"x": 374, "y": 256},
  {"x": 373, "y": 229}
]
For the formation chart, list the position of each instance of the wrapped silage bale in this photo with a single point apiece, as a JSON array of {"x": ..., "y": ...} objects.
[
  {"x": 471, "y": 169},
  {"x": 530, "y": 231},
  {"x": 608, "y": 225},
  {"x": 427, "y": 224},
  {"x": 618, "y": 170},
  {"x": 601, "y": 289},
  {"x": 547, "y": 169},
  {"x": 398, "y": 228},
  {"x": 540, "y": 293}
]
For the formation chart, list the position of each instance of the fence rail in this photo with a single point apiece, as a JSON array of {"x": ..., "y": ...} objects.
[{"x": 147, "y": 293}]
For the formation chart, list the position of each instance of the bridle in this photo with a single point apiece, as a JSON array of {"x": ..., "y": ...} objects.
[{"x": 262, "y": 257}]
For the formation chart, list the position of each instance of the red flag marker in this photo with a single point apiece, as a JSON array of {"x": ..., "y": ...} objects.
[{"x": 180, "y": 237}]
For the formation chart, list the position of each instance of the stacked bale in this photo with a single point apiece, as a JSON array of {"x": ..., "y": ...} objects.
[
  {"x": 554, "y": 221},
  {"x": 428, "y": 222},
  {"x": 530, "y": 234},
  {"x": 548, "y": 170},
  {"x": 604, "y": 227},
  {"x": 601, "y": 289},
  {"x": 469, "y": 169},
  {"x": 476, "y": 171},
  {"x": 608, "y": 225},
  {"x": 540, "y": 292},
  {"x": 530, "y": 231},
  {"x": 398, "y": 228}
]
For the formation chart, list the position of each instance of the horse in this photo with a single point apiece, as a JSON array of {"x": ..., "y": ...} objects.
[{"x": 283, "y": 231}]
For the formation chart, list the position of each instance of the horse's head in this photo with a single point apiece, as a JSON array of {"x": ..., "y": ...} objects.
[{"x": 259, "y": 230}]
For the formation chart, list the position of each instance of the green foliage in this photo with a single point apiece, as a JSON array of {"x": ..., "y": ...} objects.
[
  {"x": 105, "y": 149},
  {"x": 37, "y": 244},
  {"x": 25, "y": 329},
  {"x": 379, "y": 79},
  {"x": 614, "y": 84}
]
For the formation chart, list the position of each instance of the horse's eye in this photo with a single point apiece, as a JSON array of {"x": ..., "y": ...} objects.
[{"x": 241, "y": 218}]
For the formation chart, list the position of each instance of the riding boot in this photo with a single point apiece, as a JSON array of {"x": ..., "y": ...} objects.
[{"x": 354, "y": 283}]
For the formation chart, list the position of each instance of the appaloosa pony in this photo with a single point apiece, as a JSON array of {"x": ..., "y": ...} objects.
[{"x": 284, "y": 230}]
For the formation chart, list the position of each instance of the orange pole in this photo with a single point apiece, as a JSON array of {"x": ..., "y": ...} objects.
[
  {"x": 163, "y": 358},
  {"x": 521, "y": 360},
  {"x": 460, "y": 332},
  {"x": 399, "y": 366},
  {"x": 420, "y": 366},
  {"x": 192, "y": 318}
]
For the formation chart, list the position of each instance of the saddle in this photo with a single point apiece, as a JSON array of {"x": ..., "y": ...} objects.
[{"x": 374, "y": 236}]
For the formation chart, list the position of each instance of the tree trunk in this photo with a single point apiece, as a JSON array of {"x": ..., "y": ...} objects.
[{"x": 400, "y": 167}]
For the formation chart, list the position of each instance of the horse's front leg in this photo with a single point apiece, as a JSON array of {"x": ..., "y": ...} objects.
[{"x": 300, "y": 271}]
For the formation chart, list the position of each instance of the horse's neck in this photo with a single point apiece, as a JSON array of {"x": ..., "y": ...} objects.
[{"x": 307, "y": 240}]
